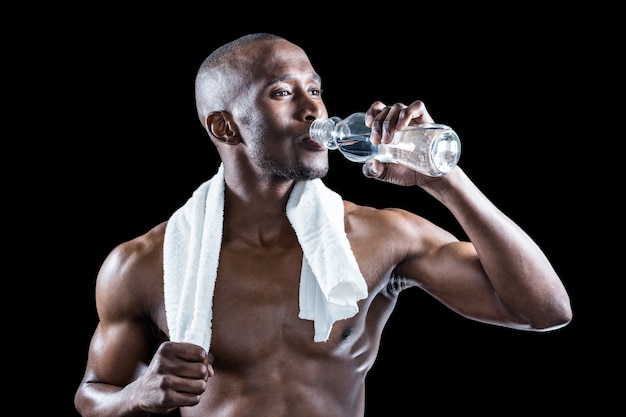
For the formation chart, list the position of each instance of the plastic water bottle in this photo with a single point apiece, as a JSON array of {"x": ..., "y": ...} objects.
[{"x": 430, "y": 148}]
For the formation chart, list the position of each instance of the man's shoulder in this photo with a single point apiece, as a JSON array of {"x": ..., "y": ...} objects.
[
  {"x": 353, "y": 209},
  {"x": 130, "y": 280},
  {"x": 138, "y": 257},
  {"x": 381, "y": 221},
  {"x": 363, "y": 217},
  {"x": 350, "y": 207},
  {"x": 148, "y": 244}
]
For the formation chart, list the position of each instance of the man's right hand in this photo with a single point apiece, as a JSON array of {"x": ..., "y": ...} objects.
[{"x": 176, "y": 377}]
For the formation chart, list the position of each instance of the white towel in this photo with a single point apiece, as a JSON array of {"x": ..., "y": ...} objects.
[{"x": 331, "y": 283}]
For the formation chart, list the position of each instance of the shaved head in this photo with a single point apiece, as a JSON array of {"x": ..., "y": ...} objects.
[{"x": 222, "y": 76}]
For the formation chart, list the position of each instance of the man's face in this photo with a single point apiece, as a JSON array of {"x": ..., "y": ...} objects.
[{"x": 280, "y": 99}]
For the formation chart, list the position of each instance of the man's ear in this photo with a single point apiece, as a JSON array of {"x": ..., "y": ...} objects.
[{"x": 221, "y": 127}]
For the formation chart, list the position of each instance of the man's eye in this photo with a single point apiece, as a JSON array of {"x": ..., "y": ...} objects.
[
  {"x": 282, "y": 93},
  {"x": 316, "y": 92}
]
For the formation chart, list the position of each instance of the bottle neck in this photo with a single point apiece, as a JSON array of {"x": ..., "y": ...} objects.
[{"x": 323, "y": 132}]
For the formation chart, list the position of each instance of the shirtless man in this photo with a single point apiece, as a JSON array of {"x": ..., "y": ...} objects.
[{"x": 256, "y": 98}]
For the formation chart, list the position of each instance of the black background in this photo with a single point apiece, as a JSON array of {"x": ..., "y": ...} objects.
[{"x": 112, "y": 146}]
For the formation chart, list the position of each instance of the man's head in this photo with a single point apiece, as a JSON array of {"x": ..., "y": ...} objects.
[
  {"x": 222, "y": 75},
  {"x": 256, "y": 97}
]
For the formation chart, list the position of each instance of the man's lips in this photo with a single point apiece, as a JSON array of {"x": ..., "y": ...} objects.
[{"x": 312, "y": 144}]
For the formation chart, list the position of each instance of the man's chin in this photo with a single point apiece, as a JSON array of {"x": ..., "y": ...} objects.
[{"x": 308, "y": 173}]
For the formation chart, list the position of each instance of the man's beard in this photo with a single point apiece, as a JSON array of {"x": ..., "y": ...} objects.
[
  {"x": 276, "y": 170},
  {"x": 280, "y": 167}
]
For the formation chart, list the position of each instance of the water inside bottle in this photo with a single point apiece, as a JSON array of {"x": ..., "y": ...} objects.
[
  {"x": 357, "y": 148},
  {"x": 431, "y": 151}
]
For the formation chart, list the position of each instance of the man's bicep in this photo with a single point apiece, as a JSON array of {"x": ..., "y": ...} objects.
[
  {"x": 119, "y": 352},
  {"x": 454, "y": 275}
]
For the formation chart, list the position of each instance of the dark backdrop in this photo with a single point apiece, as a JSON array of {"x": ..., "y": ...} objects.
[{"x": 123, "y": 149}]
